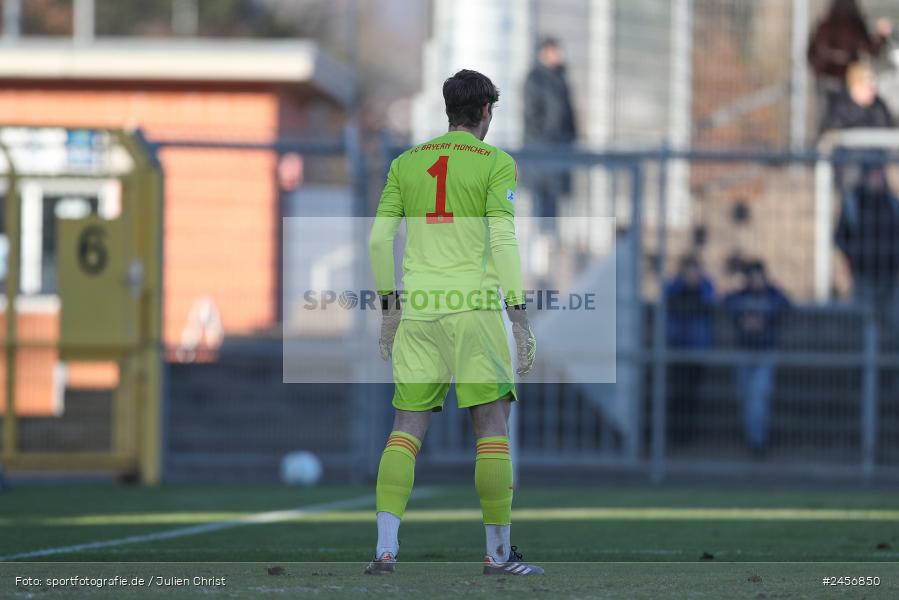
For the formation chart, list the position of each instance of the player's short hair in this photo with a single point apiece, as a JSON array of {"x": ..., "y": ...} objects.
[
  {"x": 690, "y": 261},
  {"x": 754, "y": 267},
  {"x": 548, "y": 42},
  {"x": 465, "y": 93}
]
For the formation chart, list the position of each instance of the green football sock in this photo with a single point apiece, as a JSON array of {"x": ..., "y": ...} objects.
[
  {"x": 493, "y": 479},
  {"x": 396, "y": 473}
]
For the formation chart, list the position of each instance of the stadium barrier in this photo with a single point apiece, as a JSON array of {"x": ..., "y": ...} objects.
[
  {"x": 229, "y": 416},
  {"x": 823, "y": 389},
  {"x": 833, "y": 369}
]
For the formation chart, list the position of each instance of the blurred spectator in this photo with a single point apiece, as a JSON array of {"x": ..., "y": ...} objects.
[
  {"x": 756, "y": 310},
  {"x": 839, "y": 40},
  {"x": 868, "y": 234},
  {"x": 549, "y": 117},
  {"x": 690, "y": 302},
  {"x": 858, "y": 105},
  {"x": 548, "y": 121}
]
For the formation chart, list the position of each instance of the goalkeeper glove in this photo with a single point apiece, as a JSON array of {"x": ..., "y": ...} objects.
[
  {"x": 525, "y": 342},
  {"x": 391, "y": 313}
]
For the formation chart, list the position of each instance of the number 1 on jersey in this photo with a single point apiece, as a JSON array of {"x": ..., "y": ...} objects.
[{"x": 438, "y": 170}]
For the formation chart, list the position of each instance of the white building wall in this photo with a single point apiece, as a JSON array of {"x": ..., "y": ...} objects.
[
  {"x": 492, "y": 37},
  {"x": 619, "y": 55},
  {"x": 628, "y": 67}
]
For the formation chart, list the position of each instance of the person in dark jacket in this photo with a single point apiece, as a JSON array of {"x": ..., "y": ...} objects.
[
  {"x": 858, "y": 105},
  {"x": 548, "y": 113},
  {"x": 548, "y": 121},
  {"x": 868, "y": 235},
  {"x": 840, "y": 39},
  {"x": 690, "y": 304},
  {"x": 756, "y": 310},
  {"x": 690, "y": 299}
]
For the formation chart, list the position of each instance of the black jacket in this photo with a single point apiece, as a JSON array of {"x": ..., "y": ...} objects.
[
  {"x": 868, "y": 234},
  {"x": 757, "y": 315},
  {"x": 844, "y": 113},
  {"x": 548, "y": 115}
]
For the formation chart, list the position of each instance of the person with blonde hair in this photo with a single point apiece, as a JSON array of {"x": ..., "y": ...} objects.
[{"x": 858, "y": 105}]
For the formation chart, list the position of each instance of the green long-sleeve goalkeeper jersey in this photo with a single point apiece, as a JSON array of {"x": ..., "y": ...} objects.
[{"x": 457, "y": 195}]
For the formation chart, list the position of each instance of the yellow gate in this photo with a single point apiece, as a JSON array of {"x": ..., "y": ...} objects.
[{"x": 80, "y": 254}]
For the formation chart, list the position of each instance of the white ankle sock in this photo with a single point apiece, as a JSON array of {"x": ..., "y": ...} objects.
[
  {"x": 498, "y": 542},
  {"x": 388, "y": 530}
]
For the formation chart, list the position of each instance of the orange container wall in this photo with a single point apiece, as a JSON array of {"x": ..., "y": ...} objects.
[
  {"x": 221, "y": 205},
  {"x": 36, "y": 361}
]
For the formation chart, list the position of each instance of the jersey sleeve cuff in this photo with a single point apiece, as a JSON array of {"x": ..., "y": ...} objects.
[{"x": 515, "y": 299}]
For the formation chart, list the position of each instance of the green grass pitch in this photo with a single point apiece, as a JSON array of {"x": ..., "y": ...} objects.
[{"x": 594, "y": 542}]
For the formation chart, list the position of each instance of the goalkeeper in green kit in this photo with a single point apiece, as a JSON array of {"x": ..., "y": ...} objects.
[{"x": 461, "y": 269}]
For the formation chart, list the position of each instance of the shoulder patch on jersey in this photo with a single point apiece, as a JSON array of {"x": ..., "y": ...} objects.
[{"x": 510, "y": 195}]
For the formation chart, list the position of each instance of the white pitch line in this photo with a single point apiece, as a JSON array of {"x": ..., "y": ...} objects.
[{"x": 255, "y": 519}]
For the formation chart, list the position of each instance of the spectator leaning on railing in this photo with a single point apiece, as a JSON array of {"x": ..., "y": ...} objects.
[
  {"x": 757, "y": 310},
  {"x": 690, "y": 304},
  {"x": 858, "y": 105}
]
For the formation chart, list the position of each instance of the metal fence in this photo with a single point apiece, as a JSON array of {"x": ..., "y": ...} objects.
[
  {"x": 811, "y": 389},
  {"x": 813, "y": 394},
  {"x": 228, "y": 414},
  {"x": 827, "y": 377}
]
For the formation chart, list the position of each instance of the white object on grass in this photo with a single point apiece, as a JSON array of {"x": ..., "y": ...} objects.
[{"x": 301, "y": 468}]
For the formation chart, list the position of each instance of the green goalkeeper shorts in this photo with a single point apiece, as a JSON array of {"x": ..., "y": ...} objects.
[{"x": 470, "y": 347}]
